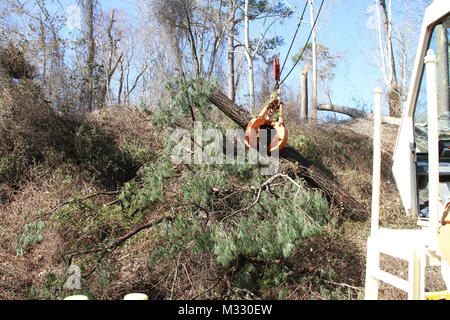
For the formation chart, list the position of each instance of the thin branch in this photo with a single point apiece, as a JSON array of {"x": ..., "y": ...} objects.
[
  {"x": 343, "y": 285},
  {"x": 119, "y": 241},
  {"x": 246, "y": 208},
  {"x": 103, "y": 193},
  {"x": 207, "y": 290}
]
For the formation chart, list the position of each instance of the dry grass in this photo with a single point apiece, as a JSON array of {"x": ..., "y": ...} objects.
[
  {"x": 26, "y": 206},
  {"x": 48, "y": 159}
]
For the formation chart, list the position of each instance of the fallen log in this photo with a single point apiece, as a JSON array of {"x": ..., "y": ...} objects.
[
  {"x": 354, "y": 113},
  {"x": 314, "y": 176}
]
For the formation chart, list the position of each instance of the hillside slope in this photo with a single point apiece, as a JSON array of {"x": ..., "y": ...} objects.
[{"x": 101, "y": 194}]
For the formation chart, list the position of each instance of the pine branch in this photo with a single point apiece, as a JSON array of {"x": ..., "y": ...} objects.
[{"x": 116, "y": 243}]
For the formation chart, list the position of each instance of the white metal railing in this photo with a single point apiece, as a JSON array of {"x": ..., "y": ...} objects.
[{"x": 409, "y": 245}]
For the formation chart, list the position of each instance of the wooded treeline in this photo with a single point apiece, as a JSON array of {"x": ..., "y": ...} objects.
[{"x": 86, "y": 55}]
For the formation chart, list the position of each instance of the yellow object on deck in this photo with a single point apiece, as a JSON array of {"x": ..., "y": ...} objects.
[
  {"x": 77, "y": 297},
  {"x": 136, "y": 296},
  {"x": 439, "y": 295}
]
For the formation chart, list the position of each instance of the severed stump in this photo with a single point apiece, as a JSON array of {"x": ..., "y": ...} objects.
[{"x": 315, "y": 177}]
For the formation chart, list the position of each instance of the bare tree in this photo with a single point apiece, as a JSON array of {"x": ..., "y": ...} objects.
[
  {"x": 387, "y": 56},
  {"x": 270, "y": 14},
  {"x": 202, "y": 25},
  {"x": 326, "y": 61},
  {"x": 231, "y": 84},
  {"x": 88, "y": 9},
  {"x": 403, "y": 52},
  {"x": 313, "y": 106},
  {"x": 41, "y": 28},
  {"x": 249, "y": 54},
  {"x": 408, "y": 22},
  {"x": 113, "y": 57}
]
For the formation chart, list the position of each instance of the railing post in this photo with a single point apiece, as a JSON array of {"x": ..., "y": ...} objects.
[
  {"x": 433, "y": 145},
  {"x": 376, "y": 174}
]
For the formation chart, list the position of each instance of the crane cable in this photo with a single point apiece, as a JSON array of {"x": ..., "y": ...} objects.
[
  {"x": 295, "y": 35},
  {"x": 304, "y": 47}
]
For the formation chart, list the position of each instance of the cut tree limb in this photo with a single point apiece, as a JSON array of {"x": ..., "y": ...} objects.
[
  {"x": 314, "y": 176},
  {"x": 354, "y": 113}
]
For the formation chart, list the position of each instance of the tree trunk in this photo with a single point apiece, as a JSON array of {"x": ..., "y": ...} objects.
[
  {"x": 230, "y": 42},
  {"x": 313, "y": 175},
  {"x": 388, "y": 36},
  {"x": 394, "y": 90},
  {"x": 248, "y": 55},
  {"x": 191, "y": 40},
  {"x": 91, "y": 53},
  {"x": 304, "y": 95},
  {"x": 119, "y": 94},
  {"x": 251, "y": 82},
  {"x": 314, "y": 66},
  {"x": 178, "y": 57},
  {"x": 111, "y": 69}
]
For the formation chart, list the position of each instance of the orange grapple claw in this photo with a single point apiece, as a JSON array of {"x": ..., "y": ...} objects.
[{"x": 265, "y": 119}]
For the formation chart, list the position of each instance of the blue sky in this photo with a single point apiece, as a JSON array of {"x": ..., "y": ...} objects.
[{"x": 342, "y": 28}]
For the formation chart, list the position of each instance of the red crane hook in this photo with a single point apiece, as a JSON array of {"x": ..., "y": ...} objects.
[{"x": 276, "y": 69}]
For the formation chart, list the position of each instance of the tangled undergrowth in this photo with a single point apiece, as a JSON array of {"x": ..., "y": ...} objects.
[{"x": 100, "y": 193}]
